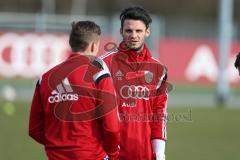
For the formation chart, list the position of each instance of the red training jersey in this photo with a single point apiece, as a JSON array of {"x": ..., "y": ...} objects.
[
  {"x": 141, "y": 87},
  {"x": 73, "y": 112}
]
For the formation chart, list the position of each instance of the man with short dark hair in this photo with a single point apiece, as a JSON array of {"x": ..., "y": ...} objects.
[
  {"x": 237, "y": 63},
  {"x": 140, "y": 83},
  {"x": 73, "y": 112}
]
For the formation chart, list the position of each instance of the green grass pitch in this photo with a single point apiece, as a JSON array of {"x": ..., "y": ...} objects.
[{"x": 193, "y": 134}]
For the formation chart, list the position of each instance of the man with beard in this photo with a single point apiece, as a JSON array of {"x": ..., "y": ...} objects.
[{"x": 140, "y": 83}]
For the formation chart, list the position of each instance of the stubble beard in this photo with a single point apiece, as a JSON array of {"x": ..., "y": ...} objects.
[{"x": 136, "y": 49}]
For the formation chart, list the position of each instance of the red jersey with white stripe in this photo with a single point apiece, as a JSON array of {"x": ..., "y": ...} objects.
[
  {"x": 140, "y": 83},
  {"x": 74, "y": 113}
]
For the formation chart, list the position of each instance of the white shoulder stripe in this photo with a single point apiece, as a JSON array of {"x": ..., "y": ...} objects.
[
  {"x": 105, "y": 67},
  {"x": 103, "y": 64},
  {"x": 156, "y": 59},
  {"x": 99, "y": 74},
  {"x": 161, "y": 79},
  {"x": 104, "y": 70},
  {"x": 108, "y": 54}
]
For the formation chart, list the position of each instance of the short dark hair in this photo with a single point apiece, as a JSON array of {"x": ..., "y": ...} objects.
[
  {"x": 82, "y": 33},
  {"x": 237, "y": 61},
  {"x": 136, "y": 13}
]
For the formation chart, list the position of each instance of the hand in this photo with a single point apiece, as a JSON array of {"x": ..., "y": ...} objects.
[{"x": 159, "y": 157}]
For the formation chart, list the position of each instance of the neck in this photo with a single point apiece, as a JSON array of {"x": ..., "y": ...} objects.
[
  {"x": 86, "y": 52},
  {"x": 138, "y": 50},
  {"x": 141, "y": 49}
]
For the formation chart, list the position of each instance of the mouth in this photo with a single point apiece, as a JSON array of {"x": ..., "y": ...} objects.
[{"x": 133, "y": 42}]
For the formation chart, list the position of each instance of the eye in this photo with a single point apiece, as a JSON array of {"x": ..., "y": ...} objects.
[
  {"x": 139, "y": 31},
  {"x": 128, "y": 31}
]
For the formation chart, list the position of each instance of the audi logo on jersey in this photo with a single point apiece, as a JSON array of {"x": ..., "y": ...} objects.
[{"x": 135, "y": 92}]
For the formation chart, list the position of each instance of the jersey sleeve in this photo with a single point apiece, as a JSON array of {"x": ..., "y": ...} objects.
[
  {"x": 36, "y": 121},
  {"x": 158, "y": 126},
  {"x": 107, "y": 59},
  {"x": 110, "y": 121}
]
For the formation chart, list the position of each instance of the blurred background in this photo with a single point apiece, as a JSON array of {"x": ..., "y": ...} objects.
[{"x": 196, "y": 39}]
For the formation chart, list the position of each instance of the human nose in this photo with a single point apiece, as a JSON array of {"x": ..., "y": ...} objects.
[{"x": 133, "y": 35}]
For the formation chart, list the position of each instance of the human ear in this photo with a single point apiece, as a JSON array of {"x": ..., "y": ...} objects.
[
  {"x": 148, "y": 32},
  {"x": 92, "y": 47},
  {"x": 121, "y": 30}
]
